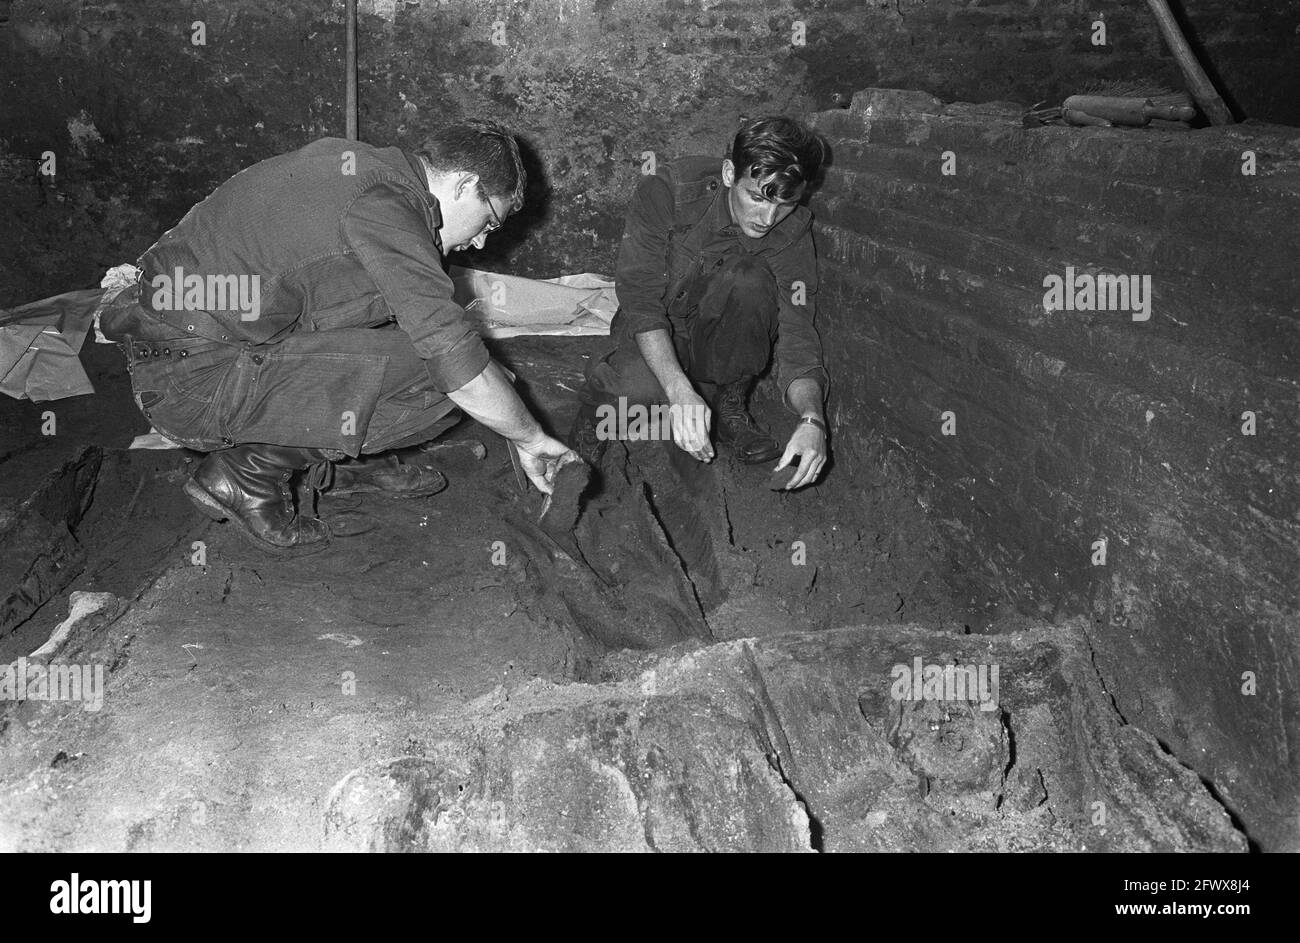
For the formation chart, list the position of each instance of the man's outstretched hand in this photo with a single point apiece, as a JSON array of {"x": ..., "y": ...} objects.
[
  {"x": 691, "y": 419},
  {"x": 809, "y": 444},
  {"x": 542, "y": 457}
]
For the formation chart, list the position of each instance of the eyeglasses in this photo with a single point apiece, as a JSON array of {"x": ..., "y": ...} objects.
[{"x": 496, "y": 220}]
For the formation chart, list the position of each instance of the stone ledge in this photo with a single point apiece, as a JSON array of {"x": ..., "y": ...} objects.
[{"x": 789, "y": 743}]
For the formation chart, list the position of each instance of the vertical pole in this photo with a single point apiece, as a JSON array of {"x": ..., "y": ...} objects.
[
  {"x": 351, "y": 54},
  {"x": 1199, "y": 84}
]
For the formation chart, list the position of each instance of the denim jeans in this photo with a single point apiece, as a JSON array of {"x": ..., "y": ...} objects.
[{"x": 355, "y": 390}]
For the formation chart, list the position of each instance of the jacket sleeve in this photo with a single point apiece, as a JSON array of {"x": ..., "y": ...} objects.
[
  {"x": 798, "y": 345},
  {"x": 641, "y": 275},
  {"x": 392, "y": 241}
]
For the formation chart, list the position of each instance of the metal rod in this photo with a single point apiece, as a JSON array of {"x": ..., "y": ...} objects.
[
  {"x": 1199, "y": 84},
  {"x": 351, "y": 54}
]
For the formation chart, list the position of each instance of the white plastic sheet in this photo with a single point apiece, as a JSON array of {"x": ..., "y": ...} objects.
[{"x": 508, "y": 305}]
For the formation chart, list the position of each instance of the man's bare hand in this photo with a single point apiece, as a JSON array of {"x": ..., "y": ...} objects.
[
  {"x": 691, "y": 421},
  {"x": 542, "y": 458},
  {"x": 809, "y": 444}
]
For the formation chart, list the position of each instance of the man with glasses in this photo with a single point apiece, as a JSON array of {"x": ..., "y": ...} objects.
[
  {"x": 300, "y": 318},
  {"x": 496, "y": 220}
]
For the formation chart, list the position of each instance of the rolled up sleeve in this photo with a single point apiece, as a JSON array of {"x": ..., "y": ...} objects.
[
  {"x": 641, "y": 275},
  {"x": 798, "y": 345},
  {"x": 391, "y": 239}
]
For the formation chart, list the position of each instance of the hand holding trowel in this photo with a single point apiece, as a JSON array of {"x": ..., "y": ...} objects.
[
  {"x": 567, "y": 477},
  {"x": 561, "y": 476}
]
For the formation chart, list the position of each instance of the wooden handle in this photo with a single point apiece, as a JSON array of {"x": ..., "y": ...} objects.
[
  {"x": 1198, "y": 83},
  {"x": 1082, "y": 119},
  {"x": 1128, "y": 111},
  {"x": 350, "y": 54},
  {"x": 1135, "y": 112},
  {"x": 1171, "y": 112}
]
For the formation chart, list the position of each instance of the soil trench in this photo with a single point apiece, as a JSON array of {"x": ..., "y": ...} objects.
[{"x": 704, "y": 665}]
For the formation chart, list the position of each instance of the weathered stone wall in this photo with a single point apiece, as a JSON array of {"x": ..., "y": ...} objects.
[
  {"x": 144, "y": 122},
  {"x": 1030, "y": 50},
  {"x": 1172, "y": 439}
]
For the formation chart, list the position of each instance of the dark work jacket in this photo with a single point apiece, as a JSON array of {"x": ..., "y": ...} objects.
[
  {"x": 332, "y": 248},
  {"x": 678, "y": 223}
]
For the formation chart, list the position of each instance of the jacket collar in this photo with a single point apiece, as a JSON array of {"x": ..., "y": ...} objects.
[
  {"x": 788, "y": 231},
  {"x": 421, "y": 182}
]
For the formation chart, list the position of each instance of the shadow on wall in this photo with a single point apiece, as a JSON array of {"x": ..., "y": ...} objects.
[{"x": 522, "y": 228}]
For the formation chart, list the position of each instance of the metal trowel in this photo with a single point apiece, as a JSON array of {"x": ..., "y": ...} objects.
[{"x": 560, "y": 509}]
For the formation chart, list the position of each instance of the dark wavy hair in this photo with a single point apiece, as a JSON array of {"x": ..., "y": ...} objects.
[
  {"x": 482, "y": 147},
  {"x": 781, "y": 154}
]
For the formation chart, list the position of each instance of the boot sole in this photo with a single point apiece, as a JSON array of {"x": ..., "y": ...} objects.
[
  {"x": 390, "y": 493},
  {"x": 401, "y": 495},
  {"x": 760, "y": 459},
  {"x": 768, "y": 455},
  {"x": 219, "y": 512}
]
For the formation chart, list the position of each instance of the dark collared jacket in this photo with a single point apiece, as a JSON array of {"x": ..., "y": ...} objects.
[
  {"x": 678, "y": 223},
  {"x": 341, "y": 234}
]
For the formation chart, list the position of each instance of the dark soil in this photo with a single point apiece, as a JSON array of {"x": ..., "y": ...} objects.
[{"x": 245, "y": 686}]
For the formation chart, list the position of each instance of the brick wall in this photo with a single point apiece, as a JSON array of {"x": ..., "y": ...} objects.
[
  {"x": 1077, "y": 426},
  {"x": 1029, "y": 50}
]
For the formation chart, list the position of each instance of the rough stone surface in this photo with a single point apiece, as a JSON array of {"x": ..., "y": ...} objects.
[{"x": 790, "y": 743}]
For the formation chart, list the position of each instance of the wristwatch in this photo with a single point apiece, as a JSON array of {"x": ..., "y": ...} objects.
[{"x": 814, "y": 421}]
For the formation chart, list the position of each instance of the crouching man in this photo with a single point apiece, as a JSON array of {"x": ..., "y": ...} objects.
[
  {"x": 300, "y": 316},
  {"x": 717, "y": 271}
]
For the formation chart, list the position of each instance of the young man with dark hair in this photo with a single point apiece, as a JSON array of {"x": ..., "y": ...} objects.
[
  {"x": 300, "y": 316},
  {"x": 716, "y": 272}
]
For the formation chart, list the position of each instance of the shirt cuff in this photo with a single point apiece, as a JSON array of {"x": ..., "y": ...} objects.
[
  {"x": 452, "y": 369},
  {"x": 645, "y": 322},
  {"x": 818, "y": 374}
]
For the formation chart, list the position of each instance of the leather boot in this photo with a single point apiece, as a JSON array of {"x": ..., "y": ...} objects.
[
  {"x": 582, "y": 436},
  {"x": 249, "y": 485},
  {"x": 384, "y": 474},
  {"x": 737, "y": 428}
]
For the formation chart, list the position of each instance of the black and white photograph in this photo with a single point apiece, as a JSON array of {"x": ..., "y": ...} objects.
[{"x": 612, "y": 426}]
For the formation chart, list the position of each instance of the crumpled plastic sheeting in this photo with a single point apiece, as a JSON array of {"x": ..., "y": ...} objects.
[
  {"x": 40, "y": 342},
  {"x": 508, "y": 305}
]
